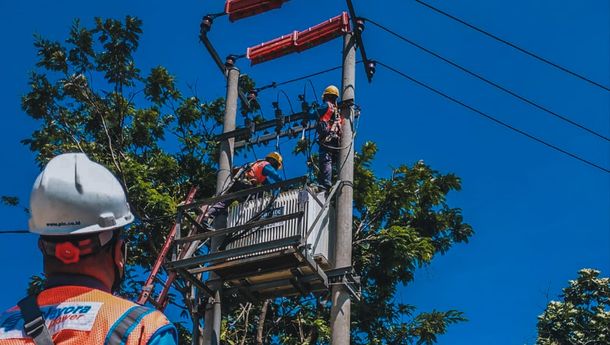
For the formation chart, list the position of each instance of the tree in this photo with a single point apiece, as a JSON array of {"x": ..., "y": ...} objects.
[
  {"x": 400, "y": 224},
  {"x": 89, "y": 96},
  {"x": 583, "y": 317}
]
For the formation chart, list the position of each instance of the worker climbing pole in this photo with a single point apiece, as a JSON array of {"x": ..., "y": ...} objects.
[
  {"x": 341, "y": 302},
  {"x": 306, "y": 274}
]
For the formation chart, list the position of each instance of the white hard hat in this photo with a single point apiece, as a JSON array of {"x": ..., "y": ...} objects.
[{"x": 74, "y": 195}]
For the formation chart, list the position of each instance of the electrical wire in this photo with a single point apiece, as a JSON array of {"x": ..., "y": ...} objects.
[
  {"x": 278, "y": 147},
  {"x": 480, "y": 77},
  {"x": 315, "y": 94},
  {"x": 489, "y": 117},
  {"x": 276, "y": 84},
  {"x": 287, "y": 98},
  {"x": 514, "y": 46},
  {"x": 2, "y": 232}
]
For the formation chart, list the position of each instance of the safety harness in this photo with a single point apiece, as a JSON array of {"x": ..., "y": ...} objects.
[
  {"x": 35, "y": 327},
  {"x": 33, "y": 324},
  {"x": 246, "y": 174},
  {"x": 329, "y": 126}
]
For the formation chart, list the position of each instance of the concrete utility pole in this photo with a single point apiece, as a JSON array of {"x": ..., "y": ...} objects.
[
  {"x": 341, "y": 303},
  {"x": 213, "y": 313}
]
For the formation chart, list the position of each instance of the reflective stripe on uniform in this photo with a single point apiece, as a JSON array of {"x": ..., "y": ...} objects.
[{"x": 120, "y": 330}]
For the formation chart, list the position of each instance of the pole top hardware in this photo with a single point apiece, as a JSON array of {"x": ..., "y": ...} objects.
[
  {"x": 360, "y": 24},
  {"x": 230, "y": 61},
  {"x": 206, "y": 25}
]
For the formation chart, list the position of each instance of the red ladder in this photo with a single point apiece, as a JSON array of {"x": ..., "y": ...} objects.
[{"x": 145, "y": 295}]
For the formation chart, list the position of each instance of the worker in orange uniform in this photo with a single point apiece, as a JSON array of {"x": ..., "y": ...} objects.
[
  {"x": 254, "y": 174},
  {"x": 79, "y": 209},
  {"x": 329, "y": 134}
]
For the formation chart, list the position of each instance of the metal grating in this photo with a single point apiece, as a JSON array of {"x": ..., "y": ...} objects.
[{"x": 288, "y": 202}]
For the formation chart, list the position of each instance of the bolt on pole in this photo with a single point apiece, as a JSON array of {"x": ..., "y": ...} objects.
[
  {"x": 213, "y": 313},
  {"x": 341, "y": 303}
]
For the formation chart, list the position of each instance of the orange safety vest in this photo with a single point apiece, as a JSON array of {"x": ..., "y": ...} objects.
[
  {"x": 78, "y": 315},
  {"x": 255, "y": 173}
]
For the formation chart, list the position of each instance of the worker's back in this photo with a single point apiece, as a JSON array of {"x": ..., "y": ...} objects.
[
  {"x": 79, "y": 315},
  {"x": 254, "y": 173}
]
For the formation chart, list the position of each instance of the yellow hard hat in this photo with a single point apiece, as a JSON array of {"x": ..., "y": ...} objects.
[
  {"x": 331, "y": 90},
  {"x": 278, "y": 158}
]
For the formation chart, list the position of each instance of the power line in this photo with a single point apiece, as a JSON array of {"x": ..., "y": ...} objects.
[
  {"x": 538, "y": 57},
  {"x": 489, "y": 117},
  {"x": 480, "y": 77},
  {"x": 276, "y": 84},
  {"x": 2, "y": 232}
]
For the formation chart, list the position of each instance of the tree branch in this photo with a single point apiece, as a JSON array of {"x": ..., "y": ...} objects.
[{"x": 261, "y": 323}]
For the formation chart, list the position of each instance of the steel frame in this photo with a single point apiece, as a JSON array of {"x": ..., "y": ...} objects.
[{"x": 294, "y": 246}]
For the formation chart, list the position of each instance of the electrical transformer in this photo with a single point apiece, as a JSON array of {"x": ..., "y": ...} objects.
[{"x": 313, "y": 226}]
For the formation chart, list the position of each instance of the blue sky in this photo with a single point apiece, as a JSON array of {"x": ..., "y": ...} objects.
[{"x": 539, "y": 216}]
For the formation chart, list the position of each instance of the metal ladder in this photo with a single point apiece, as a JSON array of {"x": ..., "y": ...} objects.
[{"x": 147, "y": 290}]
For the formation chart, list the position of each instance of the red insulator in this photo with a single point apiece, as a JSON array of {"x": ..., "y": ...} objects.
[
  {"x": 238, "y": 9},
  {"x": 300, "y": 41}
]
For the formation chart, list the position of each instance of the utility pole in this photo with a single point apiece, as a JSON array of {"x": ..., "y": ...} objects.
[
  {"x": 213, "y": 313},
  {"x": 341, "y": 303}
]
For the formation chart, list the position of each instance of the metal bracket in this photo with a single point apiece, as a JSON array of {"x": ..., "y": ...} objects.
[
  {"x": 345, "y": 276},
  {"x": 329, "y": 198}
]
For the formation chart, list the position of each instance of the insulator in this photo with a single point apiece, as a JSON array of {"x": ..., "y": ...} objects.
[
  {"x": 230, "y": 61},
  {"x": 371, "y": 67},
  {"x": 206, "y": 24},
  {"x": 360, "y": 25}
]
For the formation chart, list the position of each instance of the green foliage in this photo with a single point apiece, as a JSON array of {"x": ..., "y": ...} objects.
[
  {"x": 184, "y": 334},
  {"x": 582, "y": 317},
  {"x": 88, "y": 95},
  {"x": 400, "y": 224},
  {"x": 9, "y": 200}
]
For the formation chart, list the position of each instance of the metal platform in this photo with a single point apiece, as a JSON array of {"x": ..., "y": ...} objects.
[
  {"x": 279, "y": 267},
  {"x": 286, "y": 272}
]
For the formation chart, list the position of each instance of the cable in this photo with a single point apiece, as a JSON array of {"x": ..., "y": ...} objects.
[
  {"x": 480, "y": 77},
  {"x": 278, "y": 147},
  {"x": 315, "y": 94},
  {"x": 489, "y": 117},
  {"x": 2, "y": 232},
  {"x": 287, "y": 98},
  {"x": 275, "y": 84},
  {"x": 234, "y": 237},
  {"x": 514, "y": 46}
]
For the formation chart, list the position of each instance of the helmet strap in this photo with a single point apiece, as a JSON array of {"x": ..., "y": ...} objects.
[{"x": 69, "y": 251}]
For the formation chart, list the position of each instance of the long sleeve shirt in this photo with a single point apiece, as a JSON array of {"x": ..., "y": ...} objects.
[{"x": 273, "y": 176}]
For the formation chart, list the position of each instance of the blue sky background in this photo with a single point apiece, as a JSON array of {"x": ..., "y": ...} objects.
[{"x": 539, "y": 216}]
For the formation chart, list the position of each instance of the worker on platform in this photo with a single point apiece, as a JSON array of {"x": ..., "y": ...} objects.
[
  {"x": 262, "y": 172},
  {"x": 329, "y": 134},
  {"x": 254, "y": 174},
  {"x": 79, "y": 210}
]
